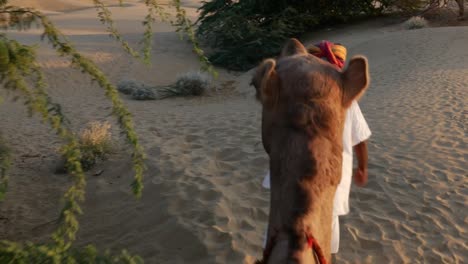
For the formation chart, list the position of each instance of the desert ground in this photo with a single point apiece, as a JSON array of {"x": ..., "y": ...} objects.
[{"x": 203, "y": 201}]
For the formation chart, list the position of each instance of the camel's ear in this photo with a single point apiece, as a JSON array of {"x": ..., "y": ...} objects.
[
  {"x": 293, "y": 47},
  {"x": 266, "y": 83},
  {"x": 355, "y": 80}
]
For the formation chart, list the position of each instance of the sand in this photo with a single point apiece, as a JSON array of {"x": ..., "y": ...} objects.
[{"x": 203, "y": 201}]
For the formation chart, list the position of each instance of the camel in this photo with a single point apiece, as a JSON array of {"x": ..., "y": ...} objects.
[{"x": 304, "y": 100}]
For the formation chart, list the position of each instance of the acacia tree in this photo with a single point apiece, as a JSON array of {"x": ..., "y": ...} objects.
[
  {"x": 242, "y": 33},
  {"x": 20, "y": 72}
]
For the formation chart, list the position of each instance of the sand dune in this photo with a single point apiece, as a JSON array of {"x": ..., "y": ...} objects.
[
  {"x": 71, "y": 5},
  {"x": 203, "y": 201},
  {"x": 53, "y": 5}
]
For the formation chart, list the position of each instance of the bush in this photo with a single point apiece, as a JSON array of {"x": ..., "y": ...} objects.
[
  {"x": 188, "y": 84},
  {"x": 246, "y": 31},
  {"x": 129, "y": 86},
  {"x": 137, "y": 90},
  {"x": 415, "y": 23},
  {"x": 144, "y": 93},
  {"x": 192, "y": 83},
  {"x": 94, "y": 143}
]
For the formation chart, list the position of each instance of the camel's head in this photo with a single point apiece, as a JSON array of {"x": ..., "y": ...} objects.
[
  {"x": 304, "y": 92},
  {"x": 304, "y": 100}
]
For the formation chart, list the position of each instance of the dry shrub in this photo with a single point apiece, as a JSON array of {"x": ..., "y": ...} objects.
[
  {"x": 416, "y": 22},
  {"x": 193, "y": 83},
  {"x": 95, "y": 143}
]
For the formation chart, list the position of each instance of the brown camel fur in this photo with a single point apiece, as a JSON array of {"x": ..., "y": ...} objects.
[{"x": 304, "y": 101}]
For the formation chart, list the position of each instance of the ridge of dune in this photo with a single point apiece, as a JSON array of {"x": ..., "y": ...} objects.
[
  {"x": 71, "y": 5},
  {"x": 53, "y": 5}
]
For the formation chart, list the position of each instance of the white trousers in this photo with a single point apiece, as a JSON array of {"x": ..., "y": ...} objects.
[{"x": 335, "y": 235}]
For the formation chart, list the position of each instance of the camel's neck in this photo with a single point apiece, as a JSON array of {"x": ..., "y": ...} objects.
[{"x": 305, "y": 171}]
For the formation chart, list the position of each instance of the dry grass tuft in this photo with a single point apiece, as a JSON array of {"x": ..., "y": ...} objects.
[
  {"x": 95, "y": 143},
  {"x": 416, "y": 22}
]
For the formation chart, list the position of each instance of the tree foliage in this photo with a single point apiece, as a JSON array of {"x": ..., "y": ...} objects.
[
  {"x": 243, "y": 32},
  {"x": 20, "y": 72}
]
